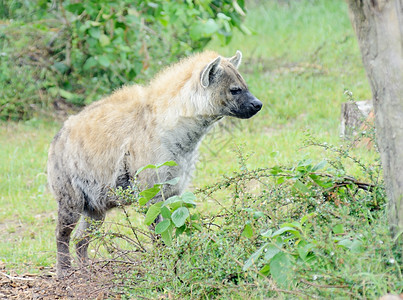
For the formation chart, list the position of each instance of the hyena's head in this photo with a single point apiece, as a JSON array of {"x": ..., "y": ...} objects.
[{"x": 227, "y": 90}]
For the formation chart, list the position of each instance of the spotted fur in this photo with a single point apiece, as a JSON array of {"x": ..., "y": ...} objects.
[{"x": 103, "y": 146}]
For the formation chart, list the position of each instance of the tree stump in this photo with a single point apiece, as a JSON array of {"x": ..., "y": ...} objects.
[{"x": 355, "y": 117}]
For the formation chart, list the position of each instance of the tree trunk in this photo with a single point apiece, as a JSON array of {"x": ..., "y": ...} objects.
[{"x": 379, "y": 28}]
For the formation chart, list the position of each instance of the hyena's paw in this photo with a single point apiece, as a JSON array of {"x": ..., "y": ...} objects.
[{"x": 64, "y": 272}]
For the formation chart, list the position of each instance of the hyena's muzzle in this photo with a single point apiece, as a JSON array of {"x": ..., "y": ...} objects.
[{"x": 248, "y": 107}]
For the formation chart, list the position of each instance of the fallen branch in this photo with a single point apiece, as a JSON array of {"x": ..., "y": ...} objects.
[{"x": 15, "y": 278}]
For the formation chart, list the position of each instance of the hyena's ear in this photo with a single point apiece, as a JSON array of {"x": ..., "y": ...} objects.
[
  {"x": 209, "y": 71},
  {"x": 236, "y": 60}
]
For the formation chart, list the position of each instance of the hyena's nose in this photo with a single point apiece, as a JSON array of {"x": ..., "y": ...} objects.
[{"x": 257, "y": 105}]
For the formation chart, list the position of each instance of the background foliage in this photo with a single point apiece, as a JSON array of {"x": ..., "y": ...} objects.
[{"x": 78, "y": 51}]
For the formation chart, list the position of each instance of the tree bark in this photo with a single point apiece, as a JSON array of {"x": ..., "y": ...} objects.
[{"x": 379, "y": 27}]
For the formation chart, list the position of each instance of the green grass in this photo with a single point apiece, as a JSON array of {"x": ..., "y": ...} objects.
[
  {"x": 299, "y": 60},
  {"x": 27, "y": 216}
]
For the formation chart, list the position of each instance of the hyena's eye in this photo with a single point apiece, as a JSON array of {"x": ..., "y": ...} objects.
[{"x": 236, "y": 91}]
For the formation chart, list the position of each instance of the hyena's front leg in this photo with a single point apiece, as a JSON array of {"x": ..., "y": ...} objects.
[
  {"x": 88, "y": 224},
  {"x": 67, "y": 220}
]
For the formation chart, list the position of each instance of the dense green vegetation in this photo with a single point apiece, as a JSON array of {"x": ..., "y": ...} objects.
[
  {"x": 76, "y": 52},
  {"x": 277, "y": 212}
]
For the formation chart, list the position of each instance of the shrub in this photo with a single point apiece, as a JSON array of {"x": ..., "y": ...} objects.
[
  {"x": 302, "y": 231},
  {"x": 85, "y": 49}
]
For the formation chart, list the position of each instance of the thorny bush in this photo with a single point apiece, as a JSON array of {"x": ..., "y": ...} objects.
[{"x": 299, "y": 231}]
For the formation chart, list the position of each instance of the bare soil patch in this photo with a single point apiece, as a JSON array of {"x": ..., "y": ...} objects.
[{"x": 96, "y": 282}]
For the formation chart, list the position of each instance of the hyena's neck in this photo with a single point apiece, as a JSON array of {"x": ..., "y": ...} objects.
[{"x": 185, "y": 137}]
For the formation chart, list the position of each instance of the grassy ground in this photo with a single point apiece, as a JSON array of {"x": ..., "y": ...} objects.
[
  {"x": 27, "y": 216},
  {"x": 299, "y": 60}
]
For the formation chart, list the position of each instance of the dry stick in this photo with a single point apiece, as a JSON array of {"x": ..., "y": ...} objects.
[
  {"x": 132, "y": 228},
  {"x": 326, "y": 286},
  {"x": 14, "y": 277}
]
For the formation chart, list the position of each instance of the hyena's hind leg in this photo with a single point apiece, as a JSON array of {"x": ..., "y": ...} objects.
[
  {"x": 67, "y": 220},
  {"x": 88, "y": 224}
]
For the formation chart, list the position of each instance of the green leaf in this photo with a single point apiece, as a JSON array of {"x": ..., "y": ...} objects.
[
  {"x": 67, "y": 95},
  {"x": 275, "y": 170},
  {"x": 280, "y": 179},
  {"x": 338, "y": 229},
  {"x": 356, "y": 247},
  {"x": 245, "y": 30},
  {"x": 271, "y": 251},
  {"x": 196, "y": 31},
  {"x": 61, "y": 67},
  {"x": 305, "y": 163},
  {"x": 144, "y": 168},
  {"x": 90, "y": 63},
  {"x": 104, "y": 40},
  {"x": 258, "y": 214},
  {"x": 95, "y": 23},
  {"x": 197, "y": 226},
  {"x": 152, "y": 213},
  {"x": 211, "y": 26},
  {"x": 148, "y": 194},
  {"x": 293, "y": 225},
  {"x": 151, "y": 192},
  {"x": 304, "y": 249},
  {"x": 267, "y": 233},
  {"x": 307, "y": 217},
  {"x": 173, "y": 181},
  {"x": 301, "y": 187},
  {"x": 247, "y": 231},
  {"x": 171, "y": 200},
  {"x": 238, "y": 8},
  {"x": 253, "y": 258},
  {"x": 165, "y": 212},
  {"x": 76, "y": 8},
  {"x": 285, "y": 229},
  {"x": 104, "y": 61},
  {"x": 281, "y": 269},
  {"x": 322, "y": 182},
  {"x": 95, "y": 32},
  {"x": 346, "y": 243},
  {"x": 265, "y": 270},
  {"x": 180, "y": 230},
  {"x": 274, "y": 154},
  {"x": 169, "y": 163},
  {"x": 162, "y": 226},
  {"x": 188, "y": 197},
  {"x": 319, "y": 165},
  {"x": 142, "y": 201},
  {"x": 202, "y": 29},
  {"x": 195, "y": 216},
  {"x": 167, "y": 236},
  {"x": 179, "y": 216}
]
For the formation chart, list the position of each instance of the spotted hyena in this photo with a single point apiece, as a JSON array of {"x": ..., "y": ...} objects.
[{"x": 103, "y": 146}]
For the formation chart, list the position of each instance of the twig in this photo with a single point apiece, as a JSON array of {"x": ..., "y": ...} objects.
[
  {"x": 325, "y": 286},
  {"x": 132, "y": 228},
  {"x": 15, "y": 278}
]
